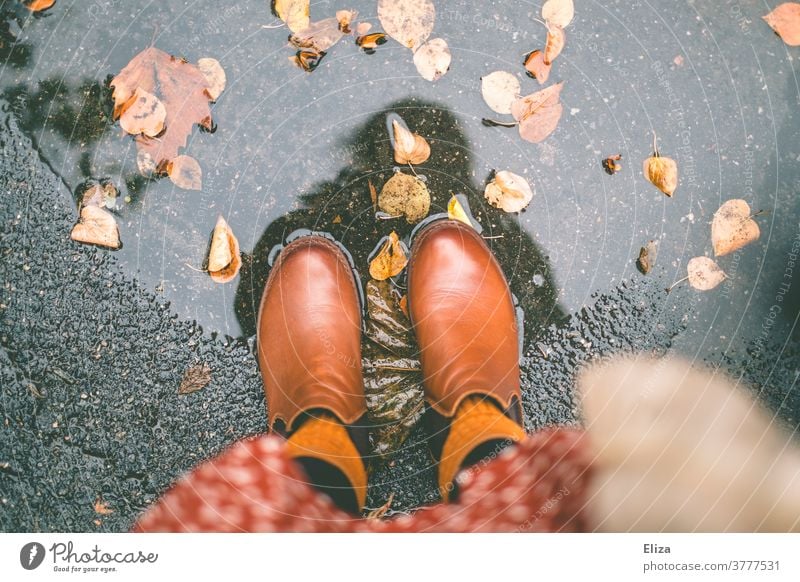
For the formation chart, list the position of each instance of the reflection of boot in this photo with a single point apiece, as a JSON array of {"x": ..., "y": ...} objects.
[
  {"x": 466, "y": 328},
  {"x": 309, "y": 352}
]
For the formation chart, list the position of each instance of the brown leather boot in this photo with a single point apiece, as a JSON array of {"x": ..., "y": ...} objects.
[
  {"x": 309, "y": 352},
  {"x": 466, "y": 327}
]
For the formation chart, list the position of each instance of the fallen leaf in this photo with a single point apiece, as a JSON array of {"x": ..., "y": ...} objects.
[
  {"x": 373, "y": 194},
  {"x": 405, "y": 195},
  {"x": 611, "y": 165},
  {"x": 295, "y": 13},
  {"x": 433, "y": 59},
  {"x": 500, "y": 89},
  {"x": 409, "y": 22},
  {"x": 538, "y": 113},
  {"x": 661, "y": 171},
  {"x": 145, "y": 114},
  {"x": 180, "y": 86},
  {"x": 559, "y": 12},
  {"x": 456, "y": 212},
  {"x": 733, "y": 227},
  {"x": 647, "y": 257},
  {"x": 308, "y": 60},
  {"x": 215, "y": 76},
  {"x": 704, "y": 273},
  {"x": 102, "y": 194},
  {"x": 369, "y": 42},
  {"x": 390, "y": 261},
  {"x": 363, "y": 28},
  {"x": 403, "y": 305},
  {"x": 554, "y": 43},
  {"x": 345, "y": 18},
  {"x": 195, "y": 378},
  {"x": 508, "y": 191},
  {"x": 39, "y": 5},
  {"x": 536, "y": 67},
  {"x": 97, "y": 226},
  {"x": 409, "y": 148},
  {"x": 102, "y": 508},
  {"x": 185, "y": 172},
  {"x": 785, "y": 21},
  {"x": 380, "y": 512},
  {"x": 318, "y": 36},
  {"x": 337, "y": 219},
  {"x": 224, "y": 261}
]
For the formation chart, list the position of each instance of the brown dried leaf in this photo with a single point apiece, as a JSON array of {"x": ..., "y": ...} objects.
[
  {"x": 500, "y": 89},
  {"x": 318, "y": 36},
  {"x": 409, "y": 148},
  {"x": 704, "y": 273},
  {"x": 785, "y": 21},
  {"x": 102, "y": 508},
  {"x": 432, "y": 59},
  {"x": 733, "y": 227},
  {"x": 224, "y": 261},
  {"x": 536, "y": 67},
  {"x": 409, "y": 22},
  {"x": 373, "y": 194},
  {"x": 405, "y": 195},
  {"x": 662, "y": 173},
  {"x": 97, "y": 226},
  {"x": 559, "y": 12},
  {"x": 538, "y": 113},
  {"x": 508, "y": 191},
  {"x": 647, "y": 257},
  {"x": 345, "y": 19},
  {"x": 369, "y": 42},
  {"x": 554, "y": 43},
  {"x": 295, "y": 13},
  {"x": 390, "y": 261},
  {"x": 186, "y": 173},
  {"x": 611, "y": 164},
  {"x": 215, "y": 76},
  {"x": 38, "y": 5},
  {"x": 195, "y": 378},
  {"x": 180, "y": 86},
  {"x": 144, "y": 114}
]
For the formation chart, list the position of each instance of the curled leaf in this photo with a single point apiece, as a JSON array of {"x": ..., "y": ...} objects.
[
  {"x": 363, "y": 28},
  {"x": 662, "y": 172},
  {"x": 500, "y": 89},
  {"x": 195, "y": 378},
  {"x": 405, "y": 195},
  {"x": 97, "y": 226},
  {"x": 456, "y": 212},
  {"x": 611, "y": 164},
  {"x": 508, "y": 191},
  {"x": 409, "y": 22},
  {"x": 647, "y": 257},
  {"x": 307, "y": 59},
  {"x": 38, "y": 5},
  {"x": 537, "y": 67},
  {"x": 224, "y": 261},
  {"x": 390, "y": 260},
  {"x": 215, "y": 75},
  {"x": 318, "y": 36},
  {"x": 369, "y": 42},
  {"x": 733, "y": 227},
  {"x": 559, "y": 12},
  {"x": 144, "y": 114},
  {"x": 185, "y": 172},
  {"x": 538, "y": 113},
  {"x": 409, "y": 148},
  {"x": 554, "y": 43},
  {"x": 102, "y": 507},
  {"x": 432, "y": 59},
  {"x": 704, "y": 273},
  {"x": 295, "y": 13},
  {"x": 345, "y": 19},
  {"x": 785, "y": 21}
]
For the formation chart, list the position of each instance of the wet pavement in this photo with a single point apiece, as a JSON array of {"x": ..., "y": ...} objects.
[{"x": 93, "y": 343}]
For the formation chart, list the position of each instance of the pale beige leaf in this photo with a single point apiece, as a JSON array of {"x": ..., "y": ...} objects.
[
  {"x": 433, "y": 59},
  {"x": 185, "y": 172},
  {"x": 145, "y": 114},
  {"x": 500, "y": 89},
  {"x": 704, "y": 273},
  {"x": 554, "y": 43},
  {"x": 508, "y": 191},
  {"x": 538, "y": 113},
  {"x": 345, "y": 19},
  {"x": 318, "y": 36},
  {"x": 785, "y": 21},
  {"x": 295, "y": 13},
  {"x": 409, "y": 22},
  {"x": 409, "y": 148},
  {"x": 559, "y": 12},
  {"x": 733, "y": 227},
  {"x": 97, "y": 226},
  {"x": 536, "y": 67},
  {"x": 363, "y": 28},
  {"x": 224, "y": 261},
  {"x": 662, "y": 173},
  {"x": 215, "y": 75}
]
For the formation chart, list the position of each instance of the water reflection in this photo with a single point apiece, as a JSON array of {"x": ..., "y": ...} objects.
[{"x": 344, "y": 208}]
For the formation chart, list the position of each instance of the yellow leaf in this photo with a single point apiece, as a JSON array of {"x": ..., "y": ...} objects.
[
  {"x": 215, "y": 75},
  {"x": 456, "y": 212},
  {"x": 295, "y": 13},
  {"x": 733, "y": 227},
  {"x": 390, "y": 261},
  {"x": 224, "y": 261}
]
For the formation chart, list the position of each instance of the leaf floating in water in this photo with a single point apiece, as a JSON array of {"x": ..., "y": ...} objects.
[
  {"x": 185, "y": 172},
  {"x": 733, "y": 227},
  {"x": 97, "y": 226},
  {"x": 390, "y": 261},
  {"x": 345, "y": 19},
  {"x": 703, "y": 274},
  {"x": 308, "y": 60},
  {"x": 432, "y": 59},
  {"x": 409, "y": 22},
  {"x": 536, "y": 66},
  {"x": 405, "y": 195},
  {"x": 538, "y": 113},
  {"x": 295, "y": 13},
  {"x": 195, "y": 378},
  {"x": 224, "y": 261},
  {"x": 559, "y": 12},
  {"x": 38, "y": 5},
  {"x": 456, "y": 212},
  {"x": 647, "y": 257},
  {"x": 785, "y": 21},
  {"x": 144, "y": 114},
  {"x": 409, "y": 148},
  {"x": 215, "y": 76},
  {"x": 661, "y": 171},
  {"x": 500, "y": 89},
  {"x": 554, "y": 43},
  {"x": 509, "y": 192},
  {"x": 369, "y": 42},
  {"x": 611, "y": 164}
]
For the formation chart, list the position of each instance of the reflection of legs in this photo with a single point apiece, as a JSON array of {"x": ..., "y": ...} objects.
[{"x": 466, "y": 327}]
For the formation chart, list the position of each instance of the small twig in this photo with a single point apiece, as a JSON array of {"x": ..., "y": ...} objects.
[
  {"x": 413, "y": 170},
  {"x": 380, "y": 216},
  {"x": 759, "y": 213},
  {"x": 668, "y": 289},
  {"x": 195, "y": 268},
  {"x": 655, "y": 148},
  {"x": 493, "y": 237},
  {"x": 494, "y": 123}
]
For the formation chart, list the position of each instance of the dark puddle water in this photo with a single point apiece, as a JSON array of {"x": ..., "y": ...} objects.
[{"x": 296, "y": 150}]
